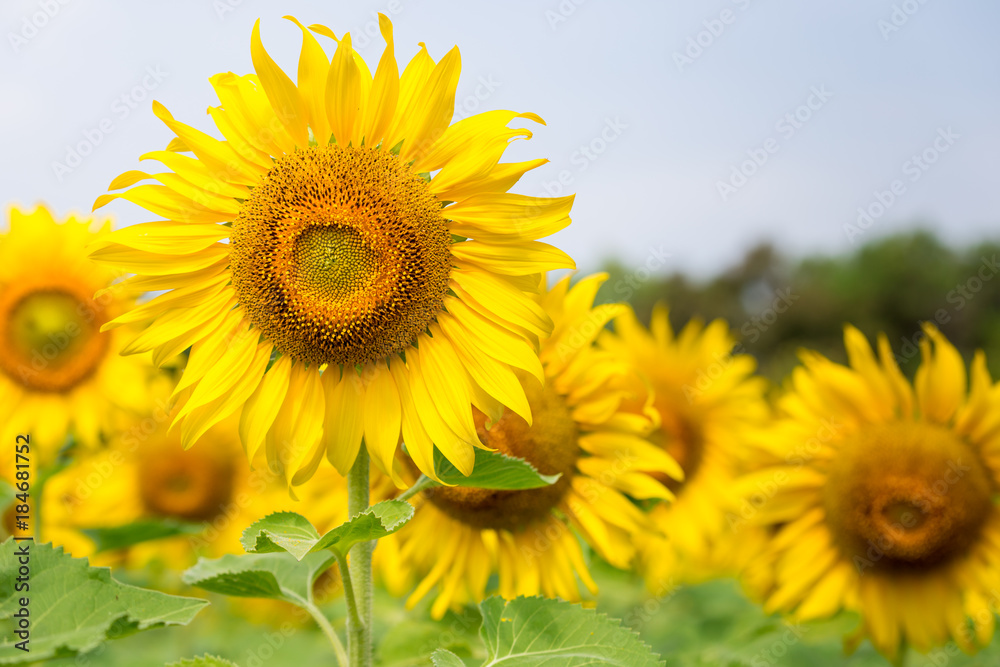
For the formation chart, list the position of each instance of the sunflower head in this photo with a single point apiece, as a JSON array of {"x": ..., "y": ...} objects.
[
  {"x": 549, "y": 443},
  {"x": 59, "y": 372},
  {"x": 881, "y": 495},
  {"x": 343, "y": 249},
  {"x": 709, "y": 402},
  {"x": 572, "y": 417}
]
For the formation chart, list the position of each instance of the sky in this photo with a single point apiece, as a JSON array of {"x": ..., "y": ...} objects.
[{"x": 688, "y": 130}]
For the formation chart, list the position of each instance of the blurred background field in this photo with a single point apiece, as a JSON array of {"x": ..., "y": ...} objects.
[{"x": 889, "y": 285}]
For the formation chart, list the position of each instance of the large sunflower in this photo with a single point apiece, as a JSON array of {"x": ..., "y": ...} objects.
[
  {"x": 460, "y": 536},
  {"x": 709, "y": 401},
  {"x": 342, "y": 223},
  {"x": 59, "y": 374},
  {"x": 883, "y": 495}
]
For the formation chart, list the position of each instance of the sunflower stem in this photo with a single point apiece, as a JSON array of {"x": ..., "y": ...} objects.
[
  {"x": 328, "y": 630},
  {"x": 354, "y": 618},
  {"x": 359, "y": 624},
  {"x": 423, "y": 482}
]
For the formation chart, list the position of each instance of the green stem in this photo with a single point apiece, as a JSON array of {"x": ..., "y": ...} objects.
[
  {"x": 328, "y": 630},
  {"x": 423, "y": 482},
  {"x": 352, "y": 605},
  {"x": 359, "y": 631}
]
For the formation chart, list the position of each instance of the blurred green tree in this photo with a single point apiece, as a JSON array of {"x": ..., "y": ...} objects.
[{"x": 776, "y": 305}]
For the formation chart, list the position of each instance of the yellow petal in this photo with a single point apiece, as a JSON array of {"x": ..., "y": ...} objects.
[
  {"x": 507, "y": 217},
  {"x": 343, "y": 93},
  {"x": 382, "y": 416},
  {"x": 514, "y": 259},
  {"x": 314, "y": 67},
  {"x": 381, "y": 106},
  {"x": 464, "y": 323},
  {"x": 432, "y": 108},
  {"x": 344, "y": 417},
  {"x": 505, "y": 300},
  {"x": 263, "y": 405},
  {"x": 280, "y": 90},
  {"x": 940, "y": 380}
]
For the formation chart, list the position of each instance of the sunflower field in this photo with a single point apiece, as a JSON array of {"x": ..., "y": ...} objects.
[{"x": 339, "y": 399}]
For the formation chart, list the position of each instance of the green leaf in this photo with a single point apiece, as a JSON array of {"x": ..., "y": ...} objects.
[
  {"x": 144, "y": 530},
  {"x": 203, "y": 661},
  {"x": 277, "y": 576},
  {"x": 493, "y": 470},
  {"x": 73, "y": 607},
  {"x": 534, "y": 631},
  {"x": 376, "y": 522},
  {"x": 281, "y": 531},
  {"x": 287, "y": 531},
  {"x": 445, "y": 658}
]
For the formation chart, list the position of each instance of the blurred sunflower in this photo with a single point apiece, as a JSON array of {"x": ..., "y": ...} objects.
[
  {"x": 883, "y": 495},
  {"x": 314, "y": 235},
  {"x": 708, "y": 401},
  {"x": 146, "y": 475},
  {"x": 460, "y": 536},
  {"x": 59, "y": 373}
]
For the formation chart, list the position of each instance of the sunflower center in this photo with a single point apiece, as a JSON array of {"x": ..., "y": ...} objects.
[
  {"x": 49, "y": 336},
  {"x": 549, "y": 444},
  {"x": 905, "y": 496},
  {"x": 341, "y": 255},
  {"x": 185, "y": 485},
  {"x": 682, "y": 438}
]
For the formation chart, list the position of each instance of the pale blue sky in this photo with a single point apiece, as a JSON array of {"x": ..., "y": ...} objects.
[{"x": 676, "y": 128}]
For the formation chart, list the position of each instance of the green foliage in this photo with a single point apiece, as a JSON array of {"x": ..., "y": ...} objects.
[
  {"x": 535, "y": 631},
  {"x": 281, "y": 531},
  {"x": 203, "y": 661},
  {"x": 493, "y": 470},
  {"x": 276, "y": 576},
  {"x": 7, "y": 494},
  {"x": 288, "y": 531},
  {"x": 73, "y": 607},
  {"x": 889, "y": 285},
  {"x": 144, "y": 530}
]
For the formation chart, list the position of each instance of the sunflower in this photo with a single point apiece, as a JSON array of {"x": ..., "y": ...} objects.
[
  {"x": 59, "y": 374},
  {"x": 342, "y": 225},
  {"x": 709, "y": 402},
  {"x": 883, "y": 495},
  {"x": 145, "y": 474},
  {"x": 460, "y": 536}
]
